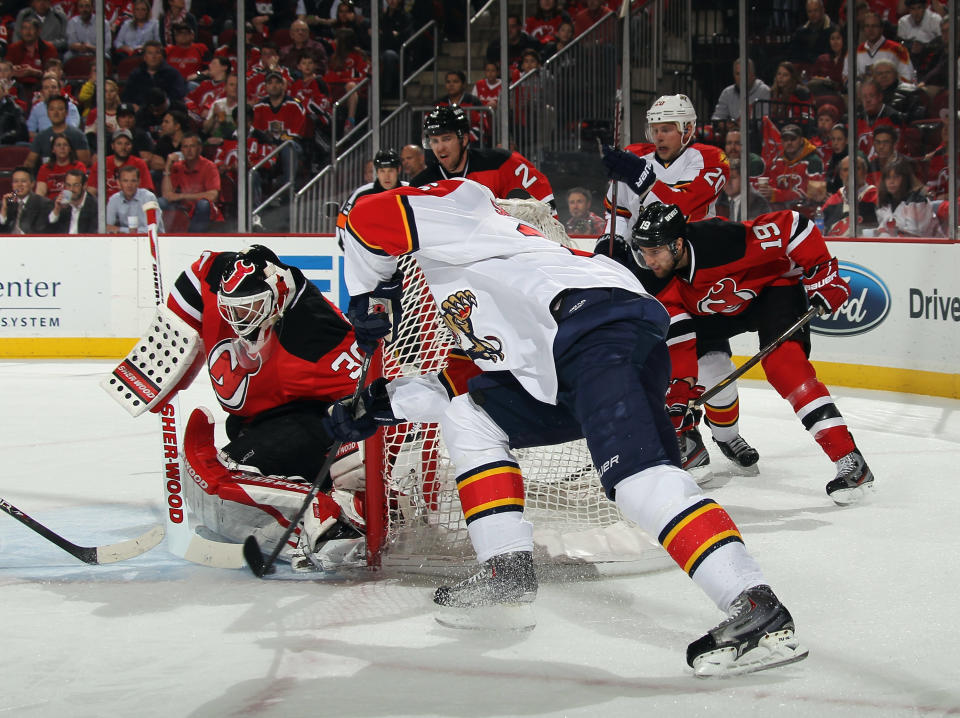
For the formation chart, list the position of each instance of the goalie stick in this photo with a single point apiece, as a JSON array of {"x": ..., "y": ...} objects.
[
  {"x": 251, "y": 549},
  {"x": 94, "y": 555}
]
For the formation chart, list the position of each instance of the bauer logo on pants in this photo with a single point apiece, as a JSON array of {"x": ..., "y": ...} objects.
[{"x": 867, "y": 307}]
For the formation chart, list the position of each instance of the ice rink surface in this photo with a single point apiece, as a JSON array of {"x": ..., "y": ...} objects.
[{"x": 873, "y": 590}]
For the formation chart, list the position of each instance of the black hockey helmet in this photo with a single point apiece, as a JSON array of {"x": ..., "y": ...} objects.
[
  {"x": 446, "y": 118},
  {"x": 255, "y": 289},
  {"x": 657, "y": 225},
  {"x": 387, "y": 158}
]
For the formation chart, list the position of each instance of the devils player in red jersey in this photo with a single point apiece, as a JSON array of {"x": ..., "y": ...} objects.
[
  {"x": 278, "y": 354},
  {"x": 758, "y": 276},
  {"x": 446, "y": 132}
]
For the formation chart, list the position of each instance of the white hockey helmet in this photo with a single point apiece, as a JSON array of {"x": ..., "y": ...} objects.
[
  {"x": 255, "y": 289},
  {"x": 673, "y": 108}
]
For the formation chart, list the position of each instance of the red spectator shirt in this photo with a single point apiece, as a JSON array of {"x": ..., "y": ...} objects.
[
  {"x": 201, "y": 98},
  {"x": 311, "y": 96},
  {"x": 226, "y": 154},
  {"x": 488, "y": 92},
  {"x": 287, "y": 119},
  {"x": 202, "y": 177},
  {"x": 354, "y": 69},
  {"x": 257, "y": 77},
  {"x": 187, "y": 60},
  {"x": 790, "y": 179},
  {"x": 34, "y": 56},
  {"x": 113, "y": 174},
  {"x": 54, "y": 176}
]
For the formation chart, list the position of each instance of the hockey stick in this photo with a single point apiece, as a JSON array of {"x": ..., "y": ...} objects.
[
  {"x": 251, "y": 549},
  {"x": 110, "y": 553},
  {"x": 756, "y": 358},
  {"x": 181, "y": 541}
]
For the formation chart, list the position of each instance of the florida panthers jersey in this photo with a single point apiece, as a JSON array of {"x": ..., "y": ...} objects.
[
  {"x": 693, "y": 182},
  {"x": 730, "y": 264},
  {"x": 493, "y": 277},
  {"x": 310, "y": 356}
]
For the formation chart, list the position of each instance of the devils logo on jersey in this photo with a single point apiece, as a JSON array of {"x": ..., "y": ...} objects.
[
  {"x": 724, "y": 298},
  {"x": 230, "y": 373},
  {"x": 457, "y": 309}
]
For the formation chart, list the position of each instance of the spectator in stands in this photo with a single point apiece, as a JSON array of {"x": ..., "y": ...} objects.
[
  {"x": 517, "y": 42},
  {"x": 903, "y": 209},
  {"x": 211, "y": 88},
  {"x": 836, "y": 210},
  {"x": 838, "y": 150},
  {"x": 412, "y": 160},
  {"x": 8, "y": 85},
  {"x": 123, "y": 156},
  {"x": 22, "y": 211},
  {"x": 13, "y": 126},
  {"x": 269, "y": 62},
  {"x": 595, "y": 11},
  {"x": 302, "y": 44},
  {"x": 153, "y": 72},
  {"x": 174, "y": 13},
  {"x": 455, "y": 83},
  {"x": 218, "y": 124},
  {"x": 788, "y": 97},
  {"x": 937, "y": 167},
  {"x": 729, "y": 202},
  {"x": 74, "y": 210},
  {"x": 278, "y": 118},
  {"x": 728, "y": 105},
  {"x": 52, "y": 20},
  {"x": 919, "y": 31},
  {"x": 812, "y": 39},
  {"x": 41, "y": 147},
  {"x": 173, "y": 128},
  {"x": 582, "y": 218},
  {"x": 561, "y": 38},
  {"x": 38, "y": 119},
  {"x": 136, "y": 32},
  {"x": 543, "y": 24},
  {"x": 191, "y": 185},
  {"x": 125, "y": 213},
  {"x": 936, "y": 68},
  {"x": 346, "y": 68},
  {"x": 348, "y": 18},
  {"x": 111, "y": 104},
  {"x": 82, "y": 32},
  {"x": 28, "y": 56},
  {"x": 827, "y": 116},
  {"x": 143, "y": 144},
  {"x": 732, "y": 147},
  {"x": 314, "y": 96},
  {"x": 907, "y": 99},
  {"x": 185, "y": 55},
  {"x": 795, "y": 176},
  {"x": 150, "y": 117},
  {"x": 51, "y": 175},
  {"x": 877, "y": 47},
  {"x": 487, "y": 88},
  {"x": 884, "y": 152},
  {"x": 828, "y": 69},
  {"x": 395, "y": 28},
  {"x": 873, "y": 114},
  {"x": 268, "y": 17}
]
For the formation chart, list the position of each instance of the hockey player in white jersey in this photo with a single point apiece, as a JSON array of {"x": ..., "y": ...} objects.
[
  {"x": 570, "y": 347},
  {"x": 673, "y": 169}
]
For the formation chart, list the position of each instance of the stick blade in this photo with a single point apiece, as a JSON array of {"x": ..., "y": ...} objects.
[
  {"x": 130, "y": 548},
  {"x": 254, "y": 558}
]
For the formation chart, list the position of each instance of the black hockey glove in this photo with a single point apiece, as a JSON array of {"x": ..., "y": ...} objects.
[
  {"x": 373, "y": 410},
  {"x": 626, "y": 167},
  {"x": 377, "y": 314},
  {"x": 616, "y": 250}
]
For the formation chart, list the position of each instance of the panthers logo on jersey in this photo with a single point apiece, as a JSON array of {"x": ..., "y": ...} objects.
[{"x": 457, "y": 309}]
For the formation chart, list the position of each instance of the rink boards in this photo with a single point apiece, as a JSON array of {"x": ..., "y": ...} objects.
[{"x": 91, "y": 296}]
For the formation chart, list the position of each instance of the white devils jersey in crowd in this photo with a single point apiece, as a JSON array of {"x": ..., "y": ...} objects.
[
  {"x": 492, "y": 275},
  {"x": 693, "y": 182}
]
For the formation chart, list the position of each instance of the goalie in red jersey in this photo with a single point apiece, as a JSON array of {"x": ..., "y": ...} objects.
[{"x": 758, "y": 276}]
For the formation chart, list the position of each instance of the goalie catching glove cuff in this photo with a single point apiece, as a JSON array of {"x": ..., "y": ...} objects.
[
  {"x": 679, "y": 396},
  {"x": 825, "y": 287},
  {"x": 377, "y": 314},
  {"x": 626, "y": 167},
  {"x": 348, "y": 423}
]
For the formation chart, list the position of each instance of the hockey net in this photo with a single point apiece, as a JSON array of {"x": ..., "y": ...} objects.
[{"x": 420, "y": 526}]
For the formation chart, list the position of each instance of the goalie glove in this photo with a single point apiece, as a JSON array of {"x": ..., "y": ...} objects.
[
  {"x": 348, "y": 423},
  {"x": 377, "y": 314},
  {"x": 347, "y": 470},
  {"x": 679, "y": 396},
  {"x": 825, "y": 287},
  {"x": 638, "y": 174}
]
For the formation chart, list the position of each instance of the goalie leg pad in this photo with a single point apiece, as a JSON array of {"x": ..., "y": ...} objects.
[{"x": 165, "y": 360}]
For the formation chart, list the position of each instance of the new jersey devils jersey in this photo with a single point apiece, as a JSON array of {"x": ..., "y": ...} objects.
[
  {"x": 730, "y": 264},
  {"x": 310, "y": 356},
  {"x": 692, "y": 182},
  {"x": 501, "y": 171},
  {"x": 492, "y": 276}
]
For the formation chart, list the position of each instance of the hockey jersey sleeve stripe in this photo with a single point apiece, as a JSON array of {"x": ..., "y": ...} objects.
[
  {"x": 186, "y": 299},
  {"x": 394, "y": 226},
  {"x": 802, "y": 227},
  {"x": 460, "y": 369},
  {"x": 621, "y": 210}
]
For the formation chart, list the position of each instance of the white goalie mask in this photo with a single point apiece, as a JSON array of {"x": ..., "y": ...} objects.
[
  {"x": 255, "y": 290},
  {"x": 676, "y": 109}
]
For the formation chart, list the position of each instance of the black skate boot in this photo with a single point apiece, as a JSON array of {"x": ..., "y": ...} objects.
[
  {"x": 853, "y": 480},
  {"x": 740, "y": 453},
  {"x": 693, "y": 452},
  {"x": 759, "y": 634},
  {"x": 498, "y": 596}
]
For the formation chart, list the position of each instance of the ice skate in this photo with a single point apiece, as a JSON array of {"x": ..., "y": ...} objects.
[
  {"x": 499, "y": 596},
  {"x": 693, "y": 452},
  {"x": 758, "y": 635},
  {"x": 853, "y": 480},
  {"x": 740, "y": 453}
]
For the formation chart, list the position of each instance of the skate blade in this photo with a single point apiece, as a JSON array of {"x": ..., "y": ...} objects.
[
  {"x": 774, "y": 649},
  {"x": 502, "y": 617},
  {"x": 853, "y": 495}
]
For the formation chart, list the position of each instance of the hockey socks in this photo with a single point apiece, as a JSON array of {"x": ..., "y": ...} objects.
[
  {"x": 722, "y": 412},
  {"x": 492, "y": 499},
  {"x": 793, "y": 376}
]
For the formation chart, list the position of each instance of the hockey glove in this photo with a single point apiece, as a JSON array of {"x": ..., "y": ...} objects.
[
  {"x": 620, "y": 252},
  {"x": 377, "y": 314},
  {"x": 825, "y": 287},
  {"x": 679, "y": 396},
  {"x": 626, "y": 167},
  {"x": 373, "y": 410}
]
